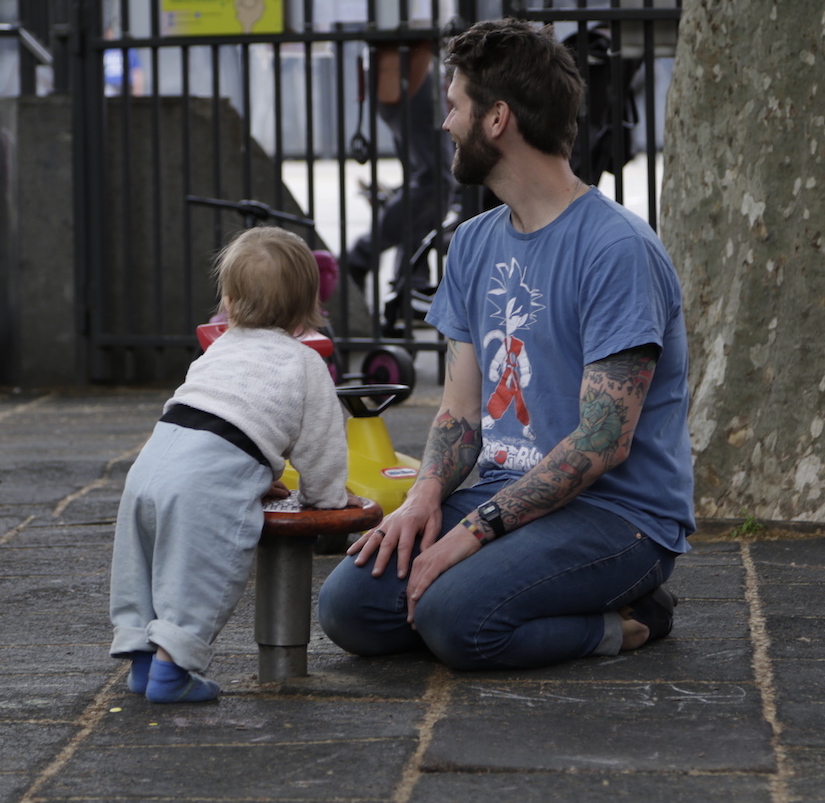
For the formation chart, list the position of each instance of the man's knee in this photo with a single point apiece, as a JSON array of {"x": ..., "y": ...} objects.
[
  {"x": 447, "y": 631},
  {"x": 339, "y": 608},
  {"x": 365, "y": 615}
]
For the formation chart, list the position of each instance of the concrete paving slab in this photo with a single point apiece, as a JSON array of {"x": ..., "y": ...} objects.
[
  {"x": 93, "y": 511},
  {"x": 796, "y": 573},
  {"x": 55, "y": 660},
  {"x": 806, "y": 786},
  {"x": 803, "y": 723},
  {"x": 75, "y": 621},
  {"x": 801, "y": 684},
  {"x": 551, "y": 726},
  {"x": 43, "y": 698},
  {"x": 591, "y": 787},
  {"x": 718, "y": 618},
  {"x": 12, "y": 786},
  {"x": 226, "y": 770},
  {"x": 797, "y": 636},
  {"x": 789, "y": 553},
  {"x": 56, "y": 479},
  {"x": 37, "y": 594},
  {"x": 274, "y": 719},
  {"x": 50, "y": 561},
  {"x": 11, "y": 518},
  {"x": 701, "y": 581},
  {"x": 46, "y": 531},
  {"x": 395, "y": 677},
  {"x": 794, "y": 599},
  {"x": 676, "y": 659},
  {"x": 28, "y": 746}
]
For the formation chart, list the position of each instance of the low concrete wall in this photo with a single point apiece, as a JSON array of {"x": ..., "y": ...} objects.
[{"x": 38, "y": 300}]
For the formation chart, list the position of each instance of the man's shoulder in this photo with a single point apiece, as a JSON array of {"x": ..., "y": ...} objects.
[
  {"x": 615, "y": 220},
  {"x": 488, "y": 219}
]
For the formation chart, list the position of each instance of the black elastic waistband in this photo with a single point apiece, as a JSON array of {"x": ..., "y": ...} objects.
[{"x": 192, "y": 418}]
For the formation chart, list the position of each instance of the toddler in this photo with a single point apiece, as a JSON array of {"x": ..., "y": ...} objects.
[{"x": 191, "y": 513}]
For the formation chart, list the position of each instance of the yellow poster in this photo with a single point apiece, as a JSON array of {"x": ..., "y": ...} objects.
[{"x": 211, "y": 17}]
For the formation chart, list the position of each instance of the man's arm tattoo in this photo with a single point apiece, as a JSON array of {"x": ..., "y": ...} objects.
[
  {"x": 451, "y": 451},
  {"x": 602, "y": 419},
  {"x": 550, "y": 485},
  {"x": 628, "y": 372},
  {"x": 609, "y": 385}
]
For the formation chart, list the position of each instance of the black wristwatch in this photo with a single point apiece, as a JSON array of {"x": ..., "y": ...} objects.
[{"x": 491, "y": 513}]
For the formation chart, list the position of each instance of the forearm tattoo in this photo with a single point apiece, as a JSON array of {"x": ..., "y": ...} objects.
[
  {"x": 451, "y": 451},
  {"x": 609, "y": 386}
]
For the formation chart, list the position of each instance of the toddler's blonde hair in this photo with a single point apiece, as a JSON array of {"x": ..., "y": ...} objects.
[{"x": 270, "y": 278}]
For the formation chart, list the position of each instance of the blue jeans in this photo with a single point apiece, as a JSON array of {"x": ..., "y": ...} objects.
[{"x": 543, "y": 594}]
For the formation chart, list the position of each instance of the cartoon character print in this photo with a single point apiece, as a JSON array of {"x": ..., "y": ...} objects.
[{"x": 515, "y": 306}]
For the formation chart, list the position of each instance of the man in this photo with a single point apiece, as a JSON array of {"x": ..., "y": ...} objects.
[{"x": 566, "y": 382}]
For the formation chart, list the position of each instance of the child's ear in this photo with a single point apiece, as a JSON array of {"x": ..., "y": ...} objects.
[{"x": 227, "y": 305}]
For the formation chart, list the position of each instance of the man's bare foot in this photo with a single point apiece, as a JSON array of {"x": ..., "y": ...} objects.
[
  {"x": 634, "y": 634},
  {"x": 647, "y": 618}
]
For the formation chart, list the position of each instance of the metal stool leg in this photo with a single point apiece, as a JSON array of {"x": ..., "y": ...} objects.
[{"x": 283, "y": 599}]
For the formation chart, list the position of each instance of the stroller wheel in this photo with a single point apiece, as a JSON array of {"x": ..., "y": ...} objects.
[{"x": 389, "y": 365}]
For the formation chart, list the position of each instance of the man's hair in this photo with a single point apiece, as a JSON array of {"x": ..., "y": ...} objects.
[
  {"x": 530, "y": 70},
  {"x": 271, "y": 278}
]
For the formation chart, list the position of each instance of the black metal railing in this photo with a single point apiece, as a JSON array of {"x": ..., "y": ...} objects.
[{"x": 237, "y": 116}]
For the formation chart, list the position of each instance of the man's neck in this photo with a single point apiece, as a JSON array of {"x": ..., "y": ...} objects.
[{"x": 538, "y": 189}]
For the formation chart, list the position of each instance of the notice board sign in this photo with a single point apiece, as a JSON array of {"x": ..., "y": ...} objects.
[{"x": 216, "y": 17}]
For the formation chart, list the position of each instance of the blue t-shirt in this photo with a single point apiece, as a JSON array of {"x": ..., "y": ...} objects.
[{"x": 537, "y": 308}]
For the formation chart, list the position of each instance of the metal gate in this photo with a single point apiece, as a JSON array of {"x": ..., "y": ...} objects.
[{"x": 165, "y": 115}]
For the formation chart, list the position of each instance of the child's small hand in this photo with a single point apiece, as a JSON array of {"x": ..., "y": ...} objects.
[
  {"x": 277, "y": 491},
  {"x": 354, "y": 501}
]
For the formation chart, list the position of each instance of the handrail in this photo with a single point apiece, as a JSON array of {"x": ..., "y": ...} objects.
[{"x": 29, "y": 41}]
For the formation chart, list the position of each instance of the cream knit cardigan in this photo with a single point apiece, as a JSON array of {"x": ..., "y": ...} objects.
[{"x": 279, "y": 393}]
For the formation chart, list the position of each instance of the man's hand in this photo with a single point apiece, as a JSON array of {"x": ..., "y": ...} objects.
[
  {"x": 397, "y": 533},
  {"x": 452, "y": 449},
  {"x": 454, "y": 547}
]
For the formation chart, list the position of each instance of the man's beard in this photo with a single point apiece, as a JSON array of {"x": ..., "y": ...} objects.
[{"x": 475, "y": 157}]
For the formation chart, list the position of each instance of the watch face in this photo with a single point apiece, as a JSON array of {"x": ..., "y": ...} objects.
[
  {"x": 488, "y": 509},
  {"x": 491, "y": 513}
]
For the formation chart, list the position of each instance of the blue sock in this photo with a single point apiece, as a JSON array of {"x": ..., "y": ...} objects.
[
  {"x": 170, "y": 683},
  {"x": 139, "y": 675}
]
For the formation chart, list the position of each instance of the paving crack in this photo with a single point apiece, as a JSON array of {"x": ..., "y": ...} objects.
[
  {"x": 4, "y": 539},
  {"x": 87, "y": 721},
  {"x": 102, "y": 480},
  {"x": 29, "y": 405},
  {"x": 435, "y": 699},
  {"x": 763, "y": 672}
]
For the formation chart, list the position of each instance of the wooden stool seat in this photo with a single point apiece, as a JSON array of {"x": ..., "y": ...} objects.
[
  {"x": 283, "y": 585},
  {"x": 287, "y": 517}
]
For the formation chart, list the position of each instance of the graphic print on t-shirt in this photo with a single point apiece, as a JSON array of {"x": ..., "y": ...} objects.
[{"x": 514, "y": 307}]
